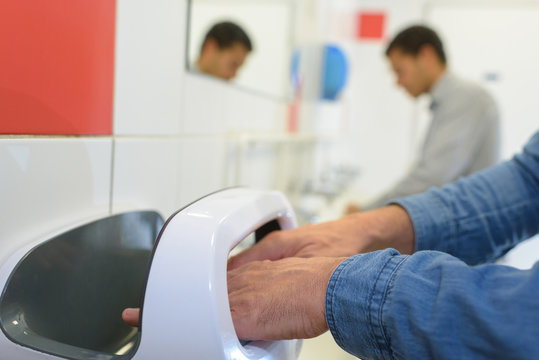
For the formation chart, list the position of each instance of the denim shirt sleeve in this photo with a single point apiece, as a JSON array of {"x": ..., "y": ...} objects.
[
  {"x": 481, "y": 217},
  {"x": 431, "y": 305}
]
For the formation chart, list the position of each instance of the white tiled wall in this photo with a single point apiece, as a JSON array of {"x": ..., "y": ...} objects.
[
  {"x": 203, "y": 105},
  {"x": 50, "y": 184},
  {"x": 168, "y": 146},
  {"x": 248, "y": 111},
  {"x": 146, "y": 174},
  {"x": 150, "y": 58},
  {"x": 171, "y": 130},
  {"x": 211, "y": 106},
  {"x": 201, "y": 167}
]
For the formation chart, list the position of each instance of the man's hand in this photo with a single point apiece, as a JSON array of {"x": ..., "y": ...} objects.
[
  {"x": 271, "y": 300},
  {"x": 350, "y": 235},
  {"x": 131, "y": 316},
  {"x": 284, "y": 299},
  {"x": 330, "y": 239},
  {"x": 352, "y": 209}
]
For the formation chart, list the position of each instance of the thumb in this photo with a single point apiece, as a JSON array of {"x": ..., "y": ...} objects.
[{"x": 131, "y": 316}]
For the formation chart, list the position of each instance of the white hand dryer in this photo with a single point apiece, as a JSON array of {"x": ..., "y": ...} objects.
[{"x": 62, "y": 297}]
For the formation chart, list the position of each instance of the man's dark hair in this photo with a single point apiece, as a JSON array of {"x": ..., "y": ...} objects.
[
  {"x": 412, "y": 39},
  {"x": 226, "y": 34}
]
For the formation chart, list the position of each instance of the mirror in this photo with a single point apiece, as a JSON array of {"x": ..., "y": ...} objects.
[{"x": 269, "y": 27}]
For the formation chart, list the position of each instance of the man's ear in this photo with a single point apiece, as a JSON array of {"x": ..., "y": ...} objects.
[
  {"x": 210, "y": 46},
  {"x": 427, "y": 52}
]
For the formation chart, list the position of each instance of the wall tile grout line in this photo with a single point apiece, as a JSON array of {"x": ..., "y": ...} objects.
[{"x": 112, "y": 158}]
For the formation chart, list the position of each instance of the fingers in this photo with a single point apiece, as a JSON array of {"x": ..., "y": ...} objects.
[
  {"x": 250, "y": 294},
  {"x": 131, "y": 316},
  {"x": 283, "y": 299},
  {"x": 267, "y": 249}
]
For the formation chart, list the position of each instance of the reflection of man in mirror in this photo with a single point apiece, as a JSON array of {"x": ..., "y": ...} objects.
[{"x": 223, "y": 51}]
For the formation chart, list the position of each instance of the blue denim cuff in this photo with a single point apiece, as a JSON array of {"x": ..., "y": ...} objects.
[
  {"x": 432, "y": 222},
  {"x": 355, "y": 297}
]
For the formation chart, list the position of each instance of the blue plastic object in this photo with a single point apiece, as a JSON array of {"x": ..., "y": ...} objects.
[
  {"x": 335, "y": 72},
  {"x": 294, "y": 69}
]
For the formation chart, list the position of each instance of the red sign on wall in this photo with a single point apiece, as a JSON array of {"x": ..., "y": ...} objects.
[
  {"x": 57, "y": 66},
  {"x": 371, "y": 25}
]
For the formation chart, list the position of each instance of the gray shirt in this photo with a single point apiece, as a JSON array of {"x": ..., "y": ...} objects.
[{"x": 463, "y": 137}]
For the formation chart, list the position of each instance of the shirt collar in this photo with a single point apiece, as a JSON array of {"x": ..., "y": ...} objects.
[{"x": 440, "y": 88}]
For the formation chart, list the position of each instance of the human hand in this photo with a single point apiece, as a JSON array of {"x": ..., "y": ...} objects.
[
  {"x": 356, "y": 233},
  {"x": 131, "y": 316},
  {"x": 283, "y": 299},
  {"x": 373, "y": 230},
  {"x": 269, "y": 300},
  {"x": 352, "y": 209},
  {"x": 343, "y": 237}
]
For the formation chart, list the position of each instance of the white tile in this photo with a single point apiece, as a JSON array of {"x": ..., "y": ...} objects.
[
  {"x": 252, "y": 161},
  {"x": 212, "y": 106},
  {"x": 250, "y": 111},
  {"x": 201, "y": 167},
  {"x": 47, "y": 185},
  {"x": 203, "y": 105},
  {"x": 145, "y": 175},
  {"x": 150, "y": 61}
]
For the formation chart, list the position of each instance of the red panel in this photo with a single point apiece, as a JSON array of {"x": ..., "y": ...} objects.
[
  {"x": 56, "y": 66},
  {"x": 371, "y": 25}
]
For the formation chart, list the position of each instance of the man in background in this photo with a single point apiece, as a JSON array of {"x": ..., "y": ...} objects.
[
  {"x": 463, "y": 136},
  {"x": 224, "y": 50}
]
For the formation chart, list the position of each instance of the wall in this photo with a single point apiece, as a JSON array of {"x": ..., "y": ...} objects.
[
  {"x": 378, "y": 125},
  {"x": 489, "y": 55},
  {"x": 500, "y": 56},
  {"x": 175, "y": 137}
]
